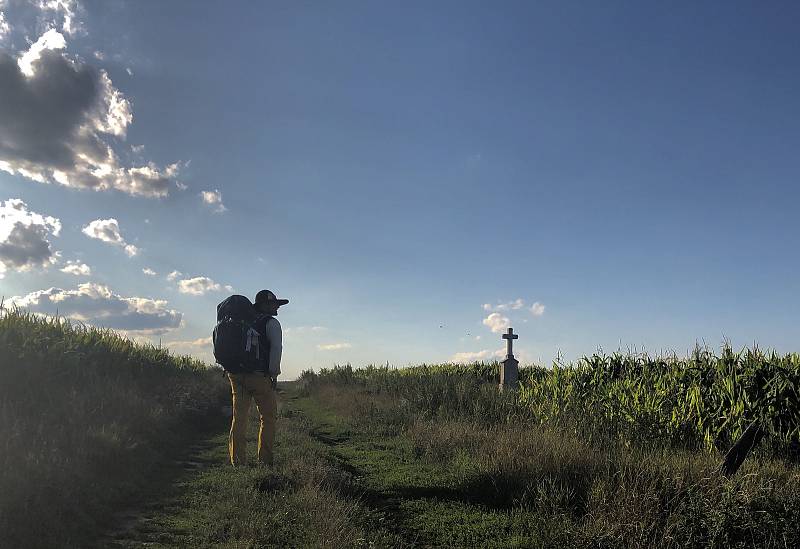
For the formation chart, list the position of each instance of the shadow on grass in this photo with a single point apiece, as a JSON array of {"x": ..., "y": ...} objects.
[{"x": 566, "y": 491}]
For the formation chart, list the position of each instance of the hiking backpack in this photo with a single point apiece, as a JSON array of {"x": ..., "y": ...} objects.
[{"x": 239, "y": 337}]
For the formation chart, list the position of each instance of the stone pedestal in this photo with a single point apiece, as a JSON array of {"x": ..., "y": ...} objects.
[{"x": 509, "y": 373}]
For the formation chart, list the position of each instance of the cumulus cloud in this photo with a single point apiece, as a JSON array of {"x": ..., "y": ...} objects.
[
  {"x": 5, "y": 28},
  {"x": 149, "y": 272},
  {"x": 24, "y": 237},
  {"x": 174, "y": 275},
  {"x": 214, "y": 199},
  {"x": 497, "y": 323},
  {"x": 50, "y": 40},
  {"x": 515, "y": 305},
  {"x": 77, "y": 268},
  {"x": 199, "y": 342},
  {"x": 62, "y": 14},
  {"x": 474, "y": 356},
  {"x": 200, "y": 348},
  {"x": 537, "y": 309},
  {"x": 108, "y": 231},
  {"x": 58, "y": 117},
  {"x": 334, "y": 346},
  {"x": 199, "y": 285},
  {"x": 98, "y": 305},
  {"x": 189, "y": 346}
]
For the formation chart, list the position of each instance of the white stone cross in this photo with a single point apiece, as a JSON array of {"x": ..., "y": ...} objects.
[{"x": 510, "y": 337}]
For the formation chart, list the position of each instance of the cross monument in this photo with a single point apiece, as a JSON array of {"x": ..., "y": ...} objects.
[{"x": 509, "y": 369}]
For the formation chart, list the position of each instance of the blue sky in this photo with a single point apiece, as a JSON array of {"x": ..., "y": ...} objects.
[{"x": 412, "y": 176}]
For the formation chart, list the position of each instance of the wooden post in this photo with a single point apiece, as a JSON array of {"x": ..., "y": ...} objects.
[{"x": 738, "y": 452}]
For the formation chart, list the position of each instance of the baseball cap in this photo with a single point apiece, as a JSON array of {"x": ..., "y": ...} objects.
[{"x": 266, "y": 296}]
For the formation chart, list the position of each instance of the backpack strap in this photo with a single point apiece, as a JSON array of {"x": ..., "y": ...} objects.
[{"x": 260, "y": 326}]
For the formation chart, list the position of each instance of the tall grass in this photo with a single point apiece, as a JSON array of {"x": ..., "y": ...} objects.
[
  {"x": 612, "y": 451},
  {"x": 85, "y": 417},
  {"x": 704, "y": 401}
]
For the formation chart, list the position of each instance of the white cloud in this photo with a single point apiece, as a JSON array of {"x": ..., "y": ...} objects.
[
  {"x": 537, "y": 309},
  {"x": 198, "y": 285},
  {"x": 474, "y": 356},
  {"x": 24, "y": 236},
  {"x": 174, "y": 275},
  {"x": 59, "y": 118},
  {"x": 497, "y": 323},
  {"x": 515, "y": 305},
  {"x": 190, "y": 345},
  {"x": 50, "y": 40},
  {"x": 149, "y": 272},
  {"x": 77, "y": 268},
  {"x": 200, "y": 348},
  {"x": 63, "y": 14},
  {"x": 199, "y": 342},
  {"x": 334, "y": 346},
  {"x": 5, "y": 28},
  {"x": 213, "y": 198},
  {"x": 108, "y": 231},
  {"x": 98, "y": 305}
]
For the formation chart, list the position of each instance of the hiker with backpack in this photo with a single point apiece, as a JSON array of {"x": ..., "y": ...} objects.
[{"x": 247, "y": 344}]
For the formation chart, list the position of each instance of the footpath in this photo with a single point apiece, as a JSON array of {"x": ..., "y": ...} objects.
[
  {"x": 333, "y": 485},
  {"x": 310, "y": 498}
]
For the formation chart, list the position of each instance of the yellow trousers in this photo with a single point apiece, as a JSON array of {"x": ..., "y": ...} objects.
[{"x": 247, "y": 387}]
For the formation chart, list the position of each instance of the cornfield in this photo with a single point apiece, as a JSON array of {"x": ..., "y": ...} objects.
[{"x": 704, "y": 401}]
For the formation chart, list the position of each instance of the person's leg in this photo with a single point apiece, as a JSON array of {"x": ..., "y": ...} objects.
[
  {"x": 237, "y": 441},
  {"x": 267, "y": 405}
]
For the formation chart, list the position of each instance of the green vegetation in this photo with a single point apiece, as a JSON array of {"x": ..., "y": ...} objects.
[
  {"x": 306, "y": 500},
  {"x": 703, "y": 402},
  {"x": 105, "y": 442},
  {"x": 579, "y": 457},
  {"x": 109, "y": 443},
  {"x": 86, "y": 419}
]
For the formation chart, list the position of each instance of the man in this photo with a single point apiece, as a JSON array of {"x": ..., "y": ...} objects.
[{"x": 259, "y": 386}]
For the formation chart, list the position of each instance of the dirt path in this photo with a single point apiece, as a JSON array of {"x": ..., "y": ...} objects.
[
  {"x": 310, "y": 498},
  {"x": 142, "y": 523}
]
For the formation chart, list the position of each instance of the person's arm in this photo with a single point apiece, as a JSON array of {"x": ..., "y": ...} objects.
[{"x": 275, "y": 347}]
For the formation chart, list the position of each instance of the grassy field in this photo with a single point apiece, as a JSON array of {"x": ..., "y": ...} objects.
[
  {"x": 111, "y": 444},
  {"x": 464, "y": 465},
  {"x": 87, "y": 419},
  {"x": 307, "y": 499},
  {"x": 359, "y": 465}
]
